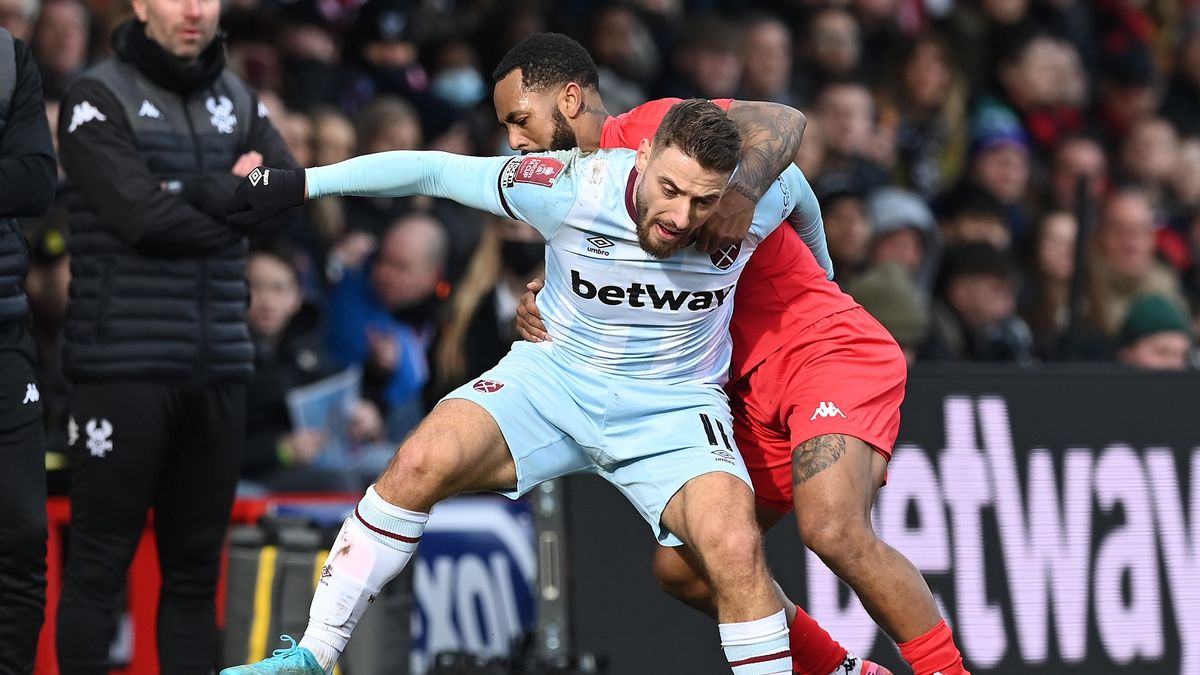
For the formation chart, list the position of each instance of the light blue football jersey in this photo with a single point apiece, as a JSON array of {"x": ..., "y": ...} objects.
[{"x": 609, "y": 306}]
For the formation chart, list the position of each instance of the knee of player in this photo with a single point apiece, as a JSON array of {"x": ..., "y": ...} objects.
[
  {"x": 834, "y": 533},
  {"x": 419, "y": 463},
  {"x": 734, "y": 550}
]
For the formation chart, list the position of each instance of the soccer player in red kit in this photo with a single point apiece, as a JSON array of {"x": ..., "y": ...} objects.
[{"x": 815, "y": 384}]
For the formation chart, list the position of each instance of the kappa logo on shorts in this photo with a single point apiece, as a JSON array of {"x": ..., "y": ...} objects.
[
  {"x": 826, "y": 409},
  {"x": 538, "y": 171},
  {"x": 487, "y": 386},
  {"x": 724, "y": 258},
  {"x": 99, "y": 433}
]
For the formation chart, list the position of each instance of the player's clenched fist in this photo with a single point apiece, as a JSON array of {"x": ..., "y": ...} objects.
[{"x": 267, "y": 197}]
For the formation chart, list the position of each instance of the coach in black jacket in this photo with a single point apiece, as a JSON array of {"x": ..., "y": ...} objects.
[
  {"x": 27, "y": 178},
  {"x": 156, "y": 342}
]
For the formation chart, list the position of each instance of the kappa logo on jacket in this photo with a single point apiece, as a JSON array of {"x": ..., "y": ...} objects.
[
  {"x": 221, "y": 109},
  {"x": 32, "y": 395},
  {"x": 148, "y": 110},
  {"x": 83, "y": 113}
]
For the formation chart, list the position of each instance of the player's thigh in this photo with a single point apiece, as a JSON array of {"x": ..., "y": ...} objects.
[{"x": 688, "y": 462}]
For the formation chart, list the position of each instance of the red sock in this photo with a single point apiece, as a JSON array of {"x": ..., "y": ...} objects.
[
  {"x": 814, "y": 652},
  {"x": 934, "y": 652}
]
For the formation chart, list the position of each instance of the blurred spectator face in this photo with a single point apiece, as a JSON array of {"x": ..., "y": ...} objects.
[
  {"x": 1056, "y": 246},
  {"x": 716, "y": 72},
  {"x": 531, "y": 118},
  {"x": 457, "y": 79},
  {"x": 1160, "y": 351},
  {"x": 1150, "y": 152},
  {"x": 977, "y": 227},
  {"x": 767, "y": 53},
  {"x": 835, "y": 41},
  {"x": 927, "y": 75},
  {"x": 1126, "y": 234},
  {"x": 1006, "y": 12},
  {"x": 1035, "y": 79},
  {"x": 183, "y": 28},
  {"x": 274, "y": 295},
  {"x": 811, "y": 156},
  {"x": 522, "y": 249},
  {"x": 981, "y": 300},
  {"x": 1075, "y": 159},
  {"x": 847, "y": 230},
  {"x": 1189, "y": 58},
  {"x": 334, "y": 138},
  {"x": 620, "y": 41},
  {"x": 14, "y": 17},
  {"x": 905, "y": 246},
  {"x": 409, "y": 265},
  {"x": 297, "y": 132},
  {"x": 1185, "y": 179},
  {"x": 60, "y": 37},
  {"x": 846, "y": 113},
  {"x": 1125, "y": 104},
  {"x": 1003, "y": 170},
  {"x": 877, "y": 10}
]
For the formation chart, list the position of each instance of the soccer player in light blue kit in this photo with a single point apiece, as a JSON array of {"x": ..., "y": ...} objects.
[{"x": 629, "y": 389}]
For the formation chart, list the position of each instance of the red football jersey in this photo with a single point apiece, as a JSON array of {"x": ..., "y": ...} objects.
[{"x": 783, "y": 289}]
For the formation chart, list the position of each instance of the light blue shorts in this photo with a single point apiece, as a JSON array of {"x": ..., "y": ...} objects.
[{"x": 646, "y": 438}]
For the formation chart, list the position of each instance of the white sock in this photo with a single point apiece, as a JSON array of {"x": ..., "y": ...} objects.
[
  {"x": 759, "y": 647},
  {"x": 374, "y": 545}
]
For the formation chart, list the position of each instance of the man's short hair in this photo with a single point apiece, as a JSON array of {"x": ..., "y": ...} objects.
[
  {"x": 701, "y": 130},
  {"x": 549, "y": 60}
]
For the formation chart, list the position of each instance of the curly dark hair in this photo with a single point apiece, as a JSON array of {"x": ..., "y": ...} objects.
[{"x": 549, "y": 60}]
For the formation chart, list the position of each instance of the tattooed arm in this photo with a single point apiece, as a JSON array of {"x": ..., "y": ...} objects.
[{"x": 771, "y": 136}]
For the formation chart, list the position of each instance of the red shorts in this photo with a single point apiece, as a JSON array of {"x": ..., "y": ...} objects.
[{"x": 842, "y": 375}]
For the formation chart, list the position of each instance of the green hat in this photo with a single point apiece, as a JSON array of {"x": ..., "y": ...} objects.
[
  {"x": 889, "y": 294},
  {"x": 1151, "y": 314}
]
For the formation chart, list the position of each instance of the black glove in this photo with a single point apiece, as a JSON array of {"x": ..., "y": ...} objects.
[{"x": 267, "y": 198}]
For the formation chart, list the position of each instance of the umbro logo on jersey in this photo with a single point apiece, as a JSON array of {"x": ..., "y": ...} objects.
[
  {"x": 148, "y": 110},
  {"x": 724, "y": 258},
  {"x": 487, "y": 386},
  {"x": 598, "y": 244},
  {"x": 638, "y": 294},
  {"x": 260, "y": 176},
  {"x": 83, "y": 113},
  {"x": 826, "y": 409}
]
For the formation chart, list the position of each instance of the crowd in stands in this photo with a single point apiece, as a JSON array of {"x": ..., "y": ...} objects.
[{"x": 1000, "y": 180}]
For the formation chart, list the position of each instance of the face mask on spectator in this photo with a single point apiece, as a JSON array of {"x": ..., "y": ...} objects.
[{"x": 460, "y": 87}]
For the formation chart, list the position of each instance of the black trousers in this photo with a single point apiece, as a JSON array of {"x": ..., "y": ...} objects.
[
  {"x": 176, "y": 448},
  {"x": 22, "y": 503}
]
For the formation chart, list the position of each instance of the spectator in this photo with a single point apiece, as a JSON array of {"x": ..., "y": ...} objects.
[
  {"x": 1041, "y": 79},
  {"x": 1124, "y": 266},
  {"x": 456, "y": 79},
  {"x": 1128, "y": 89},
  {"x": 16, "y": 16},
  {"x": 626, "y": 57},
  {"x": 1075, "y": 157},
  {"x": 480, "y": 327},
  {"x": 1184, "y": 183},
  {"x": 767, "y": 61},
  {"x": 969, "y": 214},
  {"x": 1000, "y": 163},
  {"x": 289, "y": 352},
  {"x": 1149, "y": 156},
  {"x": 383, "y": 57},
  {"x": 1181, "y": 104},
  {"x": 833, "y": 50},
  {"x": 887, "y": 291},
  {"x": 845, "y": 112},
  {"x": 1155, "y": 335},
  {"x": 928, "y": 101},
  {"x": 60, "y": 44},
  {"x": 389, "y": 123},
  {"x": 708, "y": 60},
  {"x": 974, "y": 316},
  {"x": 383, "y": 317},
  {"x": 847, "y": 228},
  {"x": 904, "y": 232}
]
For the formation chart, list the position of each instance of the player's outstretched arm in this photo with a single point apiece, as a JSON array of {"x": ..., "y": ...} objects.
[
  {"x": 480, "y": 183},
  {"x": 771, "y": 135},
  {"x": 791, "y": 198}
]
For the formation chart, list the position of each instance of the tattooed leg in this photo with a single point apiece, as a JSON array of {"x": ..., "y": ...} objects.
[{"x": 834, "y": 481}]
